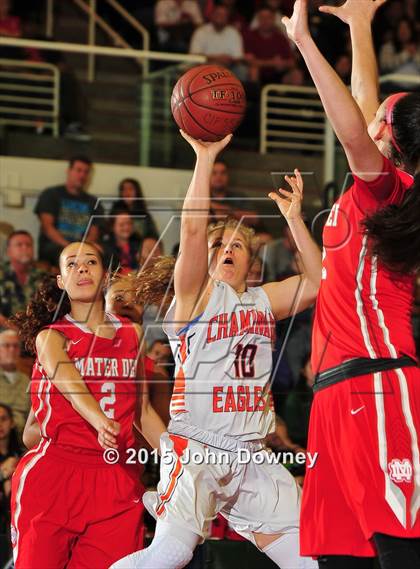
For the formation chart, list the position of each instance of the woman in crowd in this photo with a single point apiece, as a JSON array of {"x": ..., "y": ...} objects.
[
  {"x": 131, "y": 198},
  {"x": 121, "y": 245},
  {"x": 75, "y": 502},
  {"x": 365, "y": 416},
  {"x": 401, "y": 54}
]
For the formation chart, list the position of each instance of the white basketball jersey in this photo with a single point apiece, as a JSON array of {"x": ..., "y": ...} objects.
[{"x": 223, "y": 364}]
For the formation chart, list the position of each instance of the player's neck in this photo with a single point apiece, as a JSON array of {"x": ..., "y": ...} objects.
[{"x": 91, "y": 314}]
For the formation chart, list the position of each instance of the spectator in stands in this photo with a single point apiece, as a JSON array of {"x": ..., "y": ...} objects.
[
  {"x": 121, "y": 244},
  {"x": 19, "y": 276},
  {"x": 402, "y": 53},
  {"x": 131, "y": 198},
  {"x": 67, "y": 212},
  {"x": 221, "y": 203},
  {"x": 13, "y": 383},
  {"x": 279, "y": 256},
  {"x": 11, "y": 26},
  {"x": 276, "y": 6},
  {"x": 267, "y": 49},
  {"x": 175, "y": 21},
  {"x": 220, "y": 42},
  {"x": 10, "y": 451},
  {"x": 236, "y": 18}
]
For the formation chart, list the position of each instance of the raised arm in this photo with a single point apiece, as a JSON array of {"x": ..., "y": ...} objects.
[
  {"x": 358, "y": 14},
  {"x": 296, "y": 293},
  {"x": 342, "y": 110},
  {"x": 191, "y": 269},
  {"x": 67, "y": 379}
]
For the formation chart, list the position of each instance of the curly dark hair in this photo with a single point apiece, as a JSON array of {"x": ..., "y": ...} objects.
[
  {"x": 394, "y": 230},
  {"x": 48, "y": 305}
]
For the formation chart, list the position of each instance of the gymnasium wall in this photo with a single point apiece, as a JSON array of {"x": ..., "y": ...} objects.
[{"x": 22, "y": 179}]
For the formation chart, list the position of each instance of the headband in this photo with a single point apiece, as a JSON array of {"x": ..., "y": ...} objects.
[{"x": 393, "y": 100}]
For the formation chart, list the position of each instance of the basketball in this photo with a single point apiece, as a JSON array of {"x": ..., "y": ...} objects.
[{"x": 208, "y": 102}]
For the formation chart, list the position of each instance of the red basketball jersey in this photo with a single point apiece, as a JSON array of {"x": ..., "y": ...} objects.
[
  {"x": 362, "y": 309},
  {"x": 108, "y": 367}
]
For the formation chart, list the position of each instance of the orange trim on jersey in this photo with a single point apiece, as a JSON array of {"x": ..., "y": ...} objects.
[
  {"x": 180, "y": 444},
  {"x": 178, "y": 396}
]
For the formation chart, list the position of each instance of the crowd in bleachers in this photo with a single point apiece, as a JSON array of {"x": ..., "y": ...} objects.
[{"x": 247, "y": 36}]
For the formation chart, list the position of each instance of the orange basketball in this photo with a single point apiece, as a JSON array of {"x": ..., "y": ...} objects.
[{"x": 208, "y": 102}]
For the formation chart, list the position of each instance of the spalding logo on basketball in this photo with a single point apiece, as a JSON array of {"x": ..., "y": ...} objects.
[{"x": 208, "y": 102}]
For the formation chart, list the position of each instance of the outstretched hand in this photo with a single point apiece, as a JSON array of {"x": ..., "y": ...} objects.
[
  {"x": 290, "y": 204},
  {"x": 353, "y": 9},
  {"x": 210, "y": 148},
  {"x": 297, "y": 26}
]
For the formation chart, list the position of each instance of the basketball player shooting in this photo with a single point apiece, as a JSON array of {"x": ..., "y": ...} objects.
[{"x": 221, "y": 334}]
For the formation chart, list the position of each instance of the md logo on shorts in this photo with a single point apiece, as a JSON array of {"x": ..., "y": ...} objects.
[
  {"x": 400, "y": 470},
  {"x": 13, "y": 535}
]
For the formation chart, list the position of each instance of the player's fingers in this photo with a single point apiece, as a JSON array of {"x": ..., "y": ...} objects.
[
  {"x": 299, "y": 180},
  {"x": 286, "y": 193},
  {"x": 187, "y": 137},
  {"x": 226, "y": 140},
  {"x": 109, "y": 439},
  {"x": 276, "y": 198},
  {"x": 291, "y": 180},
  {"x": 328, "y": 10}
]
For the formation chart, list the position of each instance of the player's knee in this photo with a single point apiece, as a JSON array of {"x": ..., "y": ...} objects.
[{"x": 167, "y": 553}]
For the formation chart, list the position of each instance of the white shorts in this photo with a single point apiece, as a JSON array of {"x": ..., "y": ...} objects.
[{"x": 199, "y": 480}]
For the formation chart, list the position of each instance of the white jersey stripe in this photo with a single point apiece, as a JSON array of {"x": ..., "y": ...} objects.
[
  {"x": 405, "y": 398},
  {"x": 393, "y": 494},
  {"x": 359, "y": 301},
  {"x": 38, "y": 454}
]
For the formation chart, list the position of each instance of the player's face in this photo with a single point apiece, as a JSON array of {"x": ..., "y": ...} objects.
[
  {"x": 121, "y": 299},
  {"x": 81, "y": 272},
  {"x": 229, "y": 258},
  {"x": 379, "y": 131}
]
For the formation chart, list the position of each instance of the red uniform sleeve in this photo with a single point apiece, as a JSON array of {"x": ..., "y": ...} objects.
[{"x": 388, "y": 188}]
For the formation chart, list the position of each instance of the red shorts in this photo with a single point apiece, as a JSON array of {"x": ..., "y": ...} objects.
[
  {"x": 73, "y": 510},
  {"x": 366, "y": 478}
]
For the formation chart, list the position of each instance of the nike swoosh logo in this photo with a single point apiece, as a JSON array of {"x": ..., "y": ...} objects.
[
  {"x": 355, "y": 411},
  {"x": 76, "y": 341},
  {"x": 136, "y": 501}
]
